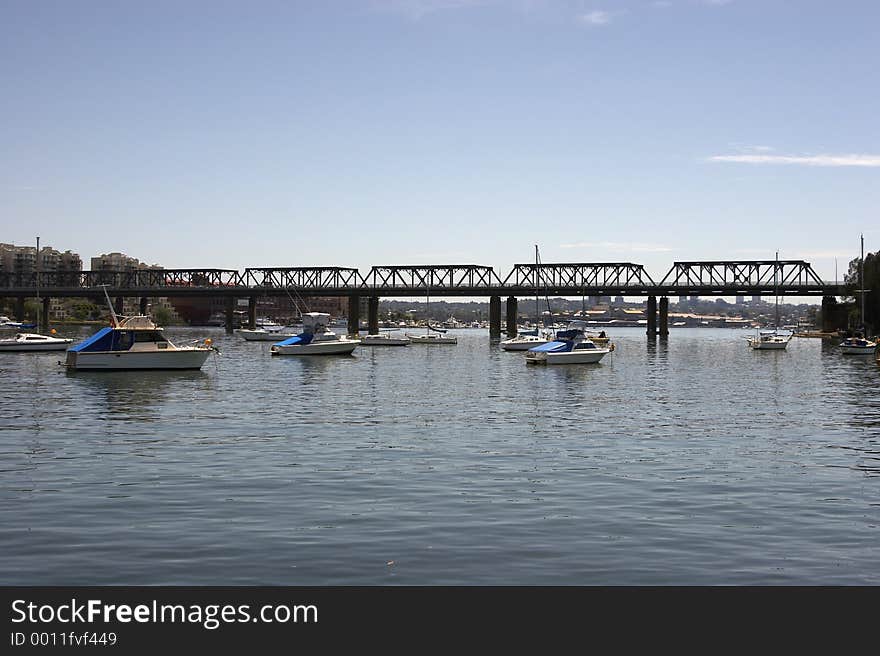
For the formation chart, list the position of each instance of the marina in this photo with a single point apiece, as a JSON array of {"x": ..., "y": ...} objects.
[{"x": 462, "y": 466}]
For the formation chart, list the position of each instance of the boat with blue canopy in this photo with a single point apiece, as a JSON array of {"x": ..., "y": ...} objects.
[
  {"x": 316, "y": 339},
  {"x": 570, "y": 346}
]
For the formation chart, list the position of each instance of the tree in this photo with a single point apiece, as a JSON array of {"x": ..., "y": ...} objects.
[{"x": 162, "y": 316}]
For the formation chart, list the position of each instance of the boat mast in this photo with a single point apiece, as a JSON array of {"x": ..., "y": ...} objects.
[
  {"x": 37, "y": 265},
  {"x": 537, "y": 289},
  {"x": 776, "y": 288},
  {"x": 862, "y": 286}
]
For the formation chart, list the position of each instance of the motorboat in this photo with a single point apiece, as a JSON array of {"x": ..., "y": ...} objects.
[
  {"x": 769, "y": 340},
  {"x": 34, "y": 342},
  {"x": 9, "y": 324},
  {"x": 857, "y": 346},
  {"x": 432, "y": 338},
  {"x": 316, "y": 339},
  {"x": 263, "y": 335},
  {"x": 268, "y": 325},
  {"x": 524, "y": 341},
  {"x": 385, "y": 339},
  {"x": 570, "y": 346},
  {"x": 134, "y": 343}
]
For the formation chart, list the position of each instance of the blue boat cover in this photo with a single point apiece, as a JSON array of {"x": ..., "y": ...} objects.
[
  {"x": 553, "y": 347},
  {"x": 302, "y": 338},
  {"x": 100, "y": 341}
]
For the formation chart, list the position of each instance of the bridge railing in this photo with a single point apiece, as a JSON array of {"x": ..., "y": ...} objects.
[
  {"x": 431, "y": 277},
  {"x": 579, "y": 276},
  {"x": 741, "y": 275},
  {"x": 334, "y": 278}
]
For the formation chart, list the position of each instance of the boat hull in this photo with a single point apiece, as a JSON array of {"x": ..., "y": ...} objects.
[
  {"x": 430, "y": 339},
  {"x": 858, "y": 350},
  {"x": 23, "y": 347},
  {"x": 263, "y": 335},
  {"x": 521, "y": 345},
  {"x": 181, "y": 358},
  {"x": 380, "y": 340},
  {"x": 585, "y": 356},
  {"x": 330, "y": 347},
  {"x": 768, "y": 346}
]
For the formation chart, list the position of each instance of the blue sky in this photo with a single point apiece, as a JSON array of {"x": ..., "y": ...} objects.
[{"x": 235, "y": 134}]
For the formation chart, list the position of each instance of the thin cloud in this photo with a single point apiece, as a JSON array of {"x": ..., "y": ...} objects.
[
  {"x": 803, "y": 160},
  {"x": 620, "y": 247},
  {"x": 596, "y": 18}
]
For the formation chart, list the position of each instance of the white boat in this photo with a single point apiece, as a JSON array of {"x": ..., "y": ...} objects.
[
  {"x": 524, "y": 341},
  {"x": 532, "y": 338},
  {"x": 316, "y": 339},
  {"x": 134, "y": 343},
  {"x": 263, "y": 335},
  {"x": 771, "y": 340},
  {"x": 385, "y": 340},
  {"x": 9, "y": 324},
  {"x": 34, "y": 342},
  {"x": 570, "y": 346},
  {"x": 431, "y": 338},
  {"x": 268, "y": 325},
  {"x": 857, "y": 346},
  {"x": 433, "y": 335}
]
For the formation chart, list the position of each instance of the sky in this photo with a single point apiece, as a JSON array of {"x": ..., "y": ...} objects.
[{"x": 254, "y": 134}]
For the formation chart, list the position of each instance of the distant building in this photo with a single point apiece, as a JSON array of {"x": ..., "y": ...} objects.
[{"x": 122, "y": 263}]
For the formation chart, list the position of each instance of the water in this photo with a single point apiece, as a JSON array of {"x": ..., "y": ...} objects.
[{"x": 696, "y": 461}]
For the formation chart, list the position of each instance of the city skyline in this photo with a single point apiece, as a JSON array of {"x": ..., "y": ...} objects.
[{"x": 417, "y": 132}]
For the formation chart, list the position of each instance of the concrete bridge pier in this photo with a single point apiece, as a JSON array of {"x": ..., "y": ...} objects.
[
  {"x": 252, "y": 312},
  {"x": 511, "y": 316},
  {"x": 373, "y": 315},
  {"x": 494, "y": 317},
  {"x": 651, "y": 313},
  {"x": 143, "y": 305},
  {"x": 44, "y": 315},
  {"x": 354, "y": 315},
  {"x": 19, "y": 309},
  {"x": 118, "y": 305},
  {"x": 230, "y": 314},
  {"x": 834, "y": 315},
  {"x": 664, "y": 317}
]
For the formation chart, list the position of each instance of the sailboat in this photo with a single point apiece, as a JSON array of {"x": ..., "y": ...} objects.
[
  {"x": 531, "y": 338},
  {"x": 772, "y": 340},
  {"x": 859, "y": 344},
  {"x": 438, "y": 336}
]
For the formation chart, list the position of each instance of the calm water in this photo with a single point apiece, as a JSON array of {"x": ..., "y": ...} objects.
[{"x": 695, "y": 461}]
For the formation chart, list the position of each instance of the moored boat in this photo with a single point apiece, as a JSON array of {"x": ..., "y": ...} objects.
[
  {"x": 130, "y": 343},
  {"x": 769, "y": 340},
  {"x": 263, "y": 335},
  {"x": 385, "y": 340},
  {"x": 316, "y": 339},
  {"x": 431, "y": 338},
  {"x": 570, "y": 346},
  {"x": 34, "y": 342},
  {"x": 857, "y": 346}
]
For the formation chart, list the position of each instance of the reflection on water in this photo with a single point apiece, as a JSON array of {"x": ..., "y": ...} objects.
[{"x": 688, "y": 460}]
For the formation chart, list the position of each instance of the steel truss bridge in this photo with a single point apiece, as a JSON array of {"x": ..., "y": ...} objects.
[{"x": 718, "y": 278}]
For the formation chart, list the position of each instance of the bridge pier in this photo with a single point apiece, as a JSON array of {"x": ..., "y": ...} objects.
[
  {"x": 373, "y": 315},
  {"x": 651, "y": 313},
  {"x": 835, "y": 316},
  {"x": 230, "y": 314},
  {"x": 143, "y": 305},
  {"x": 664, "y": 317},
  {"x": 44, "y": 315},
  {"x": 118, "y": 305},
  {"x": 494, "y": 317},
  {"x": 252, "y": 312},
  {"x": 511, "y": 316},
  {"x": 354, "y": 315}
]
